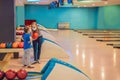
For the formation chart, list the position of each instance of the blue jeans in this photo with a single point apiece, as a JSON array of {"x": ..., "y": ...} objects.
[{"x": 37, "y": 48}]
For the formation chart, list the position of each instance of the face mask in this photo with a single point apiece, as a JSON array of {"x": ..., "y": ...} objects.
[{"x": 34, "y": 28}]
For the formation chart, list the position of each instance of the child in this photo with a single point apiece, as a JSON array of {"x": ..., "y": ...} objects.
[
  {"x": 27, "y": 48},
  {"x": 36, "y": 42}
]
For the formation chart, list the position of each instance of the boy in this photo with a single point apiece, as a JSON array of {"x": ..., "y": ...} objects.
[{"x": 27, "y": 48}]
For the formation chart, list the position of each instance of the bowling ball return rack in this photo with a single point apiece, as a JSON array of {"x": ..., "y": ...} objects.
[{"x": 14, "y": 51}]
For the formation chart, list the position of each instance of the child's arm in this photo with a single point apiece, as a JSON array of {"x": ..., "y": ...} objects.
[{"x": 30, "y": 39}]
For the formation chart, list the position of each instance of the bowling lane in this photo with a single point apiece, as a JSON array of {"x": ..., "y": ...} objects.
[
  {"x": 102, "y": 34},
  {"x": 96, "y": 59},
  {"x": 97, "y": 31},
  {"x": 104, "y": 37},
  {"x": 114, "y": 45},
  {"x": 108, "y": 37}
]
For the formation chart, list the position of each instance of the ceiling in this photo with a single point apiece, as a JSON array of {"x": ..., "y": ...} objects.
[{"x": 77, "y": 3}]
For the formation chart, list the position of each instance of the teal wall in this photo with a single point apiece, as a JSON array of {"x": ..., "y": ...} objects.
[
  {"x": 20, "y": 15},
  {"x": 109, "y": 17},
  {"x": 79, "y": 18}
]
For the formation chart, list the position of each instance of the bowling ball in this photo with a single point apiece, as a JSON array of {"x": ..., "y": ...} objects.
[
  {"x": 18, "y": 28},
  {"x": 2, "y": 75},
  {"x": 15, "y": 45},
  {"x": 35, "y": 35},
  {"x": 9, "y": 45},
  {"x": 22, "y": 74},
  {"x": 10, "y": 74},
  {"x": 21, "y": 45},
  {"x": 17, "y": 33},
  {"x": 3, "y": 45},
  {"x": 22, "y": 33},
  {"x": 21, "y": 28}
]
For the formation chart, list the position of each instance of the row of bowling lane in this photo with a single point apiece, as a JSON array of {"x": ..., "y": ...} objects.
[{"x": 110, "y": 37}]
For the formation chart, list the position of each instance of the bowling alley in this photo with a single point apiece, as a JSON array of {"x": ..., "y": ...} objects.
[{"x": 59, "y": 39}]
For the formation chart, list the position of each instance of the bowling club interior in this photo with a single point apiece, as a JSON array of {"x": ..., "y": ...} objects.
[{"x": 74, "y": 40}]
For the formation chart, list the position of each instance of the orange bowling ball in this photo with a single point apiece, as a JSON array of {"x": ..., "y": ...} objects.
[
  {"x": 18, "y": 28},
  {"x": 35, "y": 35},
  {"x": 3, "y": 45},
  {"x": 15, "y": 45}
]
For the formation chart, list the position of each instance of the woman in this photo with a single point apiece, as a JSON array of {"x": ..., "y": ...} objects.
[{"x": 36, "y": 42}]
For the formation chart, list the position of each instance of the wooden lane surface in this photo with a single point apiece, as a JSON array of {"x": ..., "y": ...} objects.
[
  {"x": 108, "y": 40},
  {"x": 3, "y": 65},
  {"x": 93, "y": 32},
  {"x": 102, "y": 34},
  {"x": 5, "y": 62},
  {"x": 114, "y": 45},
  {"x": 98, "y": 31},
  {"x": 8, "y": 57}
]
